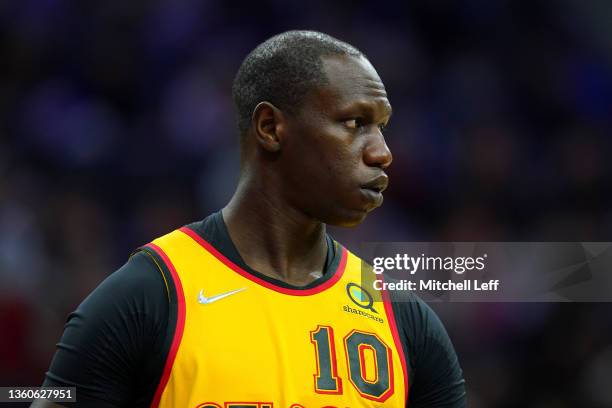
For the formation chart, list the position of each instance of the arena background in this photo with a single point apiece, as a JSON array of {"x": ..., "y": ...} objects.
[{"x": 116, "y": 125}]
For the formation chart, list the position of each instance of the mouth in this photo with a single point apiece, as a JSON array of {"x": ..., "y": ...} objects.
[
  {"x": 377, "y": 185},
  {"x": 373, "y": 189}
]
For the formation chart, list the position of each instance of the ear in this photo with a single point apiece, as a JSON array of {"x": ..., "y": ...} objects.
[{"x": 268, "y": 122}]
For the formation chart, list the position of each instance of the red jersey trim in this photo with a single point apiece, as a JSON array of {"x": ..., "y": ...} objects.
[
  {"x": 287, "y": 291},
  {"x": 396, "y": 338},
  {"x": 180, "y": 325}
]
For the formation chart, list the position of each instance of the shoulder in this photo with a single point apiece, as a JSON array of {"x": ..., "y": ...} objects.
[
  {"x": 414, "y": 313},
  {"x": 115, "y": 341},
  {"x": 133, "y": 299},
  {"x": 436, "y": 375},
  {"x": 139, "y": 279}
]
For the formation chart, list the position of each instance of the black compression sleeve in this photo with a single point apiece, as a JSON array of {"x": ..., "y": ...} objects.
[
  {"x": 436, "y": 379},
  {"x": 113, "y": 345}
]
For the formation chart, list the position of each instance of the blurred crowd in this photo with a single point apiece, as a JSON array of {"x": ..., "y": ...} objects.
[{"x": 117, "y": 125}]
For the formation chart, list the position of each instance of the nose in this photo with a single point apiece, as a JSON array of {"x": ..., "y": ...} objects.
[{"x": 377, "y": 153}]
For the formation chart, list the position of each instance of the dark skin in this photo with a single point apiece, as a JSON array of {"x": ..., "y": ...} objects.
[{"x": 322, "y": 165}]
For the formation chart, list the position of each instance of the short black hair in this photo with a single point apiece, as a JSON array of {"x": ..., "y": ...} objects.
[{"x": 282, "y": 69}]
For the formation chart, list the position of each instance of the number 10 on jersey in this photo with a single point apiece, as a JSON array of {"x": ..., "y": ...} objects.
[{"x": 368, "y": 360}]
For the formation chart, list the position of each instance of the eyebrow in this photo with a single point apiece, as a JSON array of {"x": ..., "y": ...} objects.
[{"x": 370, "y": 106}]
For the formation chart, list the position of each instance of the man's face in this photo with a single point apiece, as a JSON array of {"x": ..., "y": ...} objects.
[{"x": 335, "y": 152}]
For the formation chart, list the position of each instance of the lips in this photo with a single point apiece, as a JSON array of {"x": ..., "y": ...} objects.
[
  {"x": 378, "y": 184},
  {"x": 372, "y": 191}
]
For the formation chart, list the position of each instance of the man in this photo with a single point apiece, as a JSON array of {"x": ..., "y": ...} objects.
[{"x": 256, "y": 306}]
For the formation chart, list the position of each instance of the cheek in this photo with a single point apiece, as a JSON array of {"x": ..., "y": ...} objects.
[
  {"x": 340, "y": 167},
  {"x": 339, "y": 150},
  {"x": 345, "y": 160},
  {"x": 325, "y": 158}
]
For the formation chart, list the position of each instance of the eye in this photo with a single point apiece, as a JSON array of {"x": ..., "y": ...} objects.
[
  {"x": 354, "y": 123},
  {"x": 382, "y": 127}
]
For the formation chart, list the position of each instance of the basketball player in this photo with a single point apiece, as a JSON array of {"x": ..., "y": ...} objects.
[{"x": 256, "y": 306}]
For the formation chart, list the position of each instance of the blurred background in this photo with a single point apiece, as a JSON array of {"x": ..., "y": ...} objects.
[{"x": 116, "y": 126}]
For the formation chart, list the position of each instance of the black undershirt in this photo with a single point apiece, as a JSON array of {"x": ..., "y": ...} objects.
[{"x": 114, "y": 345}]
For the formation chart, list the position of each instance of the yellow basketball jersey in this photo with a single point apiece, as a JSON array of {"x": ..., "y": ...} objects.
[{"x": 242, "y": 341}]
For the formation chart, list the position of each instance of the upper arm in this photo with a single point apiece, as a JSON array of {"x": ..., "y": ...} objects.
[
  {"x": 436, "y": 378},
  {"x": 112, "y": 346}
]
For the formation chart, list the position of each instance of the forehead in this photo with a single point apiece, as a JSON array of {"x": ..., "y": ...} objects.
[{"x": 352, "y": 80}]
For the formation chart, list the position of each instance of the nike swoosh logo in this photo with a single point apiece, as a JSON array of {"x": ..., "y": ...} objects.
[{"x": 207, "y": 300}]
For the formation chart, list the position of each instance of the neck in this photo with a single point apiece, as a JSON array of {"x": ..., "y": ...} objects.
[{"x": 272, "y": 237}]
